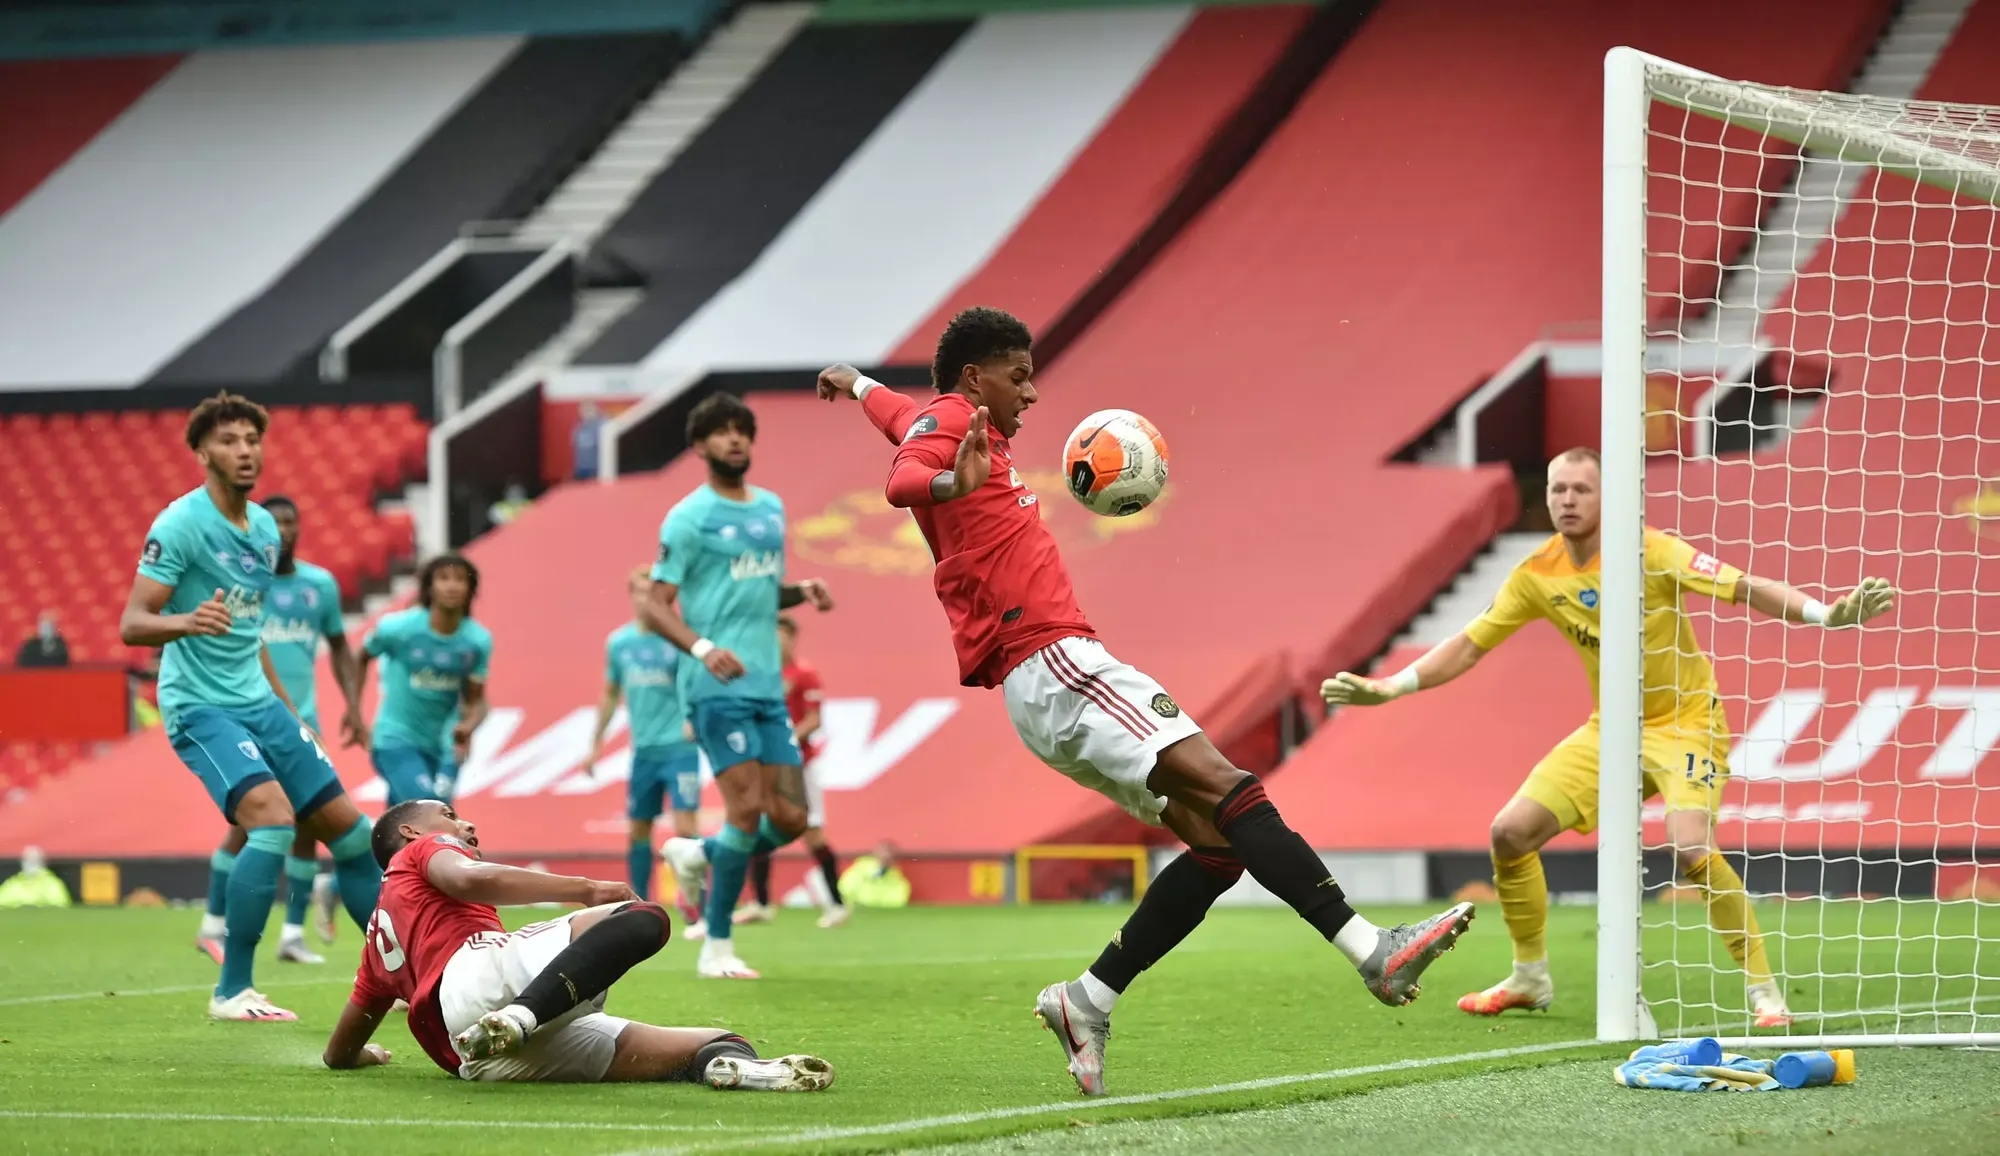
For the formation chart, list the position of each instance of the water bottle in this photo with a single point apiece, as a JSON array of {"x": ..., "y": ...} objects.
[
  {"x": 1694, "y": 1053},
  {"x": 1814, "y": 1069}
]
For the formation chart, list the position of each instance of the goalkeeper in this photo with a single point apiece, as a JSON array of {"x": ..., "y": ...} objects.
[{"x": 1685, "y": 739}]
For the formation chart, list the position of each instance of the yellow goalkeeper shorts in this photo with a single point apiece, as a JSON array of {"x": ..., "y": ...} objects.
[{"x": 1686, "y": 764}]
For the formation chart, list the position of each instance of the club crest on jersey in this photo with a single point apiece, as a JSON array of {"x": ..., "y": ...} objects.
[
  {"x": 1165, "y": 706},
  {"x": 271, "y": 557},
  {"x": 1589, "y": 598},
  {"x": 921, "y": 426},
  {"x": 248, "y": 562}
]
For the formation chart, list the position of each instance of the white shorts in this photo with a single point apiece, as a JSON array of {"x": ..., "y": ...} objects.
[
  {"x": 1097, "y": 720},
  {"x": 489, "y": 972}
]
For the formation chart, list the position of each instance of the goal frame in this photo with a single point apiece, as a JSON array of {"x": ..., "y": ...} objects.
[{"x": 1632, "y": 81}]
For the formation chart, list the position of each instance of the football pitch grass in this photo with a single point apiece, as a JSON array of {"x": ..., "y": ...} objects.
[{"x": 1253, "y": 1038}]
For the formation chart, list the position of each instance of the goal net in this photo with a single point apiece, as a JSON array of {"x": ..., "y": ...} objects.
[{"x": 1801, "y": 333}]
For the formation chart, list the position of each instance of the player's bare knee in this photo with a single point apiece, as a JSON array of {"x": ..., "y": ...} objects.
[
  {"x": 1510, "y": 840},
  {"x": 264, "y": 805},
  {"x": 1193, "y": 772}
]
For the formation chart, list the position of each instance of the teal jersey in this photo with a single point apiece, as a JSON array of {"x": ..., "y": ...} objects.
[
  {"x": 728, "y": 559},
  {"x": 423, "y": 675},
  {"x": 642, "y": 665},
  {"x": 197, "y": 551},
  {"x": 301, "y": 608}
]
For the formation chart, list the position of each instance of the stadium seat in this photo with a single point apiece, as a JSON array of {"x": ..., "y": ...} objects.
[{"x": 120, "y": 468}]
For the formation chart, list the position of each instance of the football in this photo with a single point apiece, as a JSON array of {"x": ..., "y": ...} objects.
[{"x": 1115, "y": 462}]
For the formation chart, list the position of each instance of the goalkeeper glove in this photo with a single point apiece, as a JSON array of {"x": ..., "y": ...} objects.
[
  {"x": 1346, "y": 689},
  {"x": 1872, "y": 599}
]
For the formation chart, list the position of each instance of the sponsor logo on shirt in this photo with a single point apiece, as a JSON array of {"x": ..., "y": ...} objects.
[
  {"x": 764, "y": 564},
  {"x": 289, "y": 630},
  {"x": 648, "y": 676},
  {"x": 246, "y": 605},
  {"x": 434, "y": 680},
  {"x": 1559, "y": 600},
  {"x": 1706, "y": 564}
]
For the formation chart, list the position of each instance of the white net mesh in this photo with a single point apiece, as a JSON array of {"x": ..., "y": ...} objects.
[{"x": 1826, "y": 332}]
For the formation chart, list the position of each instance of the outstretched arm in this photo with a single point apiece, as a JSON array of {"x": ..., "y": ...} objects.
[
  {"x": 1439, "y": 665},
  {"x": 494, "y": 884},
  {"x": 1768, "y": 596},
  {"x": 348, "y": 1047}
]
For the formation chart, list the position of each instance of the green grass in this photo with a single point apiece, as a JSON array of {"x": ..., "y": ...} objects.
[{"x": 925, "y": 1014}]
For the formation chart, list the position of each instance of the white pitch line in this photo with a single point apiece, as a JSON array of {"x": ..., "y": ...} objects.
[
  {"x": 818, "y": 1134},
  {"x": 177, "y": 989},
  {"x": 372, "y": 1122}
]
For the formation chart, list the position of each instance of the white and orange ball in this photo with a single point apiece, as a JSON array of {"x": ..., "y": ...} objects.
[{"x": 1115, "y": 462}]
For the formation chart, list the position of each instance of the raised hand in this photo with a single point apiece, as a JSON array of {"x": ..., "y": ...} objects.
[
  {"x": 1872, "y": 599},
  {"x": 1345, "y": 689},
  {"x": 975, "y": 455},
  {"x": 837, "y": 381},
  {"x": 211, "y": 617}
]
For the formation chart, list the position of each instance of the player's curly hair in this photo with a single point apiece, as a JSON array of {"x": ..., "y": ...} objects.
[
  {"x": 975, "y": 337},
  {"x": 718, "y": 412},
  {"x": 224, "y": 407},
  {"x": 444, "y": 562}
]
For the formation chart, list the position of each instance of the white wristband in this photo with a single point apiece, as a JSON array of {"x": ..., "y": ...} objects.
[
  {"x": 1405, "y": 681},
  {"x": 1814, "y": 611},
  {"x": 701, "y": 648},
  {"x": 862, "y": 385}
]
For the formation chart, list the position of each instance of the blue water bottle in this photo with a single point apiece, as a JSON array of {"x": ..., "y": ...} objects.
[
  {"x": 1814, "y": 1069},
  {"x": 1694, "y": 1053}
]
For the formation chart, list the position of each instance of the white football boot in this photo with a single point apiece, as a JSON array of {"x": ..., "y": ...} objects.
[
  {"x": 248, "y": 1006},
  {"x": 784, "y": 1074}
]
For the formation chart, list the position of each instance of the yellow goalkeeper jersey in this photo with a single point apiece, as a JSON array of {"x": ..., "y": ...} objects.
[{"x": 1679, "y": 680}]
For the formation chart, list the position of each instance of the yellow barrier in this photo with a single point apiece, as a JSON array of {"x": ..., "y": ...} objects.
[{"x": 1138, "y": 853}]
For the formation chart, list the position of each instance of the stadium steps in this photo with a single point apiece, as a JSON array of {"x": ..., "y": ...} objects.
[
  {"x": 656, "y": 131},
  {"x": 1470, "y": 592},
  {"x": 1802, "y": 216}
]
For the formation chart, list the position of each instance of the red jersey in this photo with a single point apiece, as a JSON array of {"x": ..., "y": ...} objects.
[
  {"x": 999, "y": 574},
  {"x": 415, "y": 931},
  {"x": 802, "y": 695}
]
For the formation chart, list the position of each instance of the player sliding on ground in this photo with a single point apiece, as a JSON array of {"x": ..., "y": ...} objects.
[
  {"x": 1686, "y": 736},
  {"x": 1015, "y": 625},
  {"x": 489, "y": 1005}
]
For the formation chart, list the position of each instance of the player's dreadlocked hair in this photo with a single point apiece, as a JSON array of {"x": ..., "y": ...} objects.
[
  {"x": 222, "y": 408},
  {"x": 387, "y": 837},
  {"x": 443, "y": 562},
  {"x": 975, "y": 337},
  {"x": 718, "y": 412}
]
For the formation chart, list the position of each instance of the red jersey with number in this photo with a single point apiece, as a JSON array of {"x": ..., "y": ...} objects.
[
  {"x": 999, "y": 575},
  {"x": 802, "y": 697},
  {"x": 415, "y": 931}
]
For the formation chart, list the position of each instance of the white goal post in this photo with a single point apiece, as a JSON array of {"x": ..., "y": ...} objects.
[{"x": 1861, "y": 799}]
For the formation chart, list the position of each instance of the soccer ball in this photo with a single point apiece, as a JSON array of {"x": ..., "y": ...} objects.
[{"x": 1115, "y": 462}]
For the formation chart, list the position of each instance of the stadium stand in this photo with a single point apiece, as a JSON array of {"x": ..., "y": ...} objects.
[
  {"x": 1881, "y": 473},
  {"x": 114, "y": 262},
  {"x": 82, "y": 488},
  {"x": 702, "y": 221},
  {"x": 498, "y": 152},
  {"x": 903, "y": 220},
  {"x": 52, "y": 109},
  {"x": 1126, "y": 175}
]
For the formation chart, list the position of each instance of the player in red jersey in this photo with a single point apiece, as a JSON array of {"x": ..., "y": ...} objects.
[
  {"x": 803, "y": 692},
  {"x": 1016, "y": 625},
  {"x": 490, "y": 1005}
]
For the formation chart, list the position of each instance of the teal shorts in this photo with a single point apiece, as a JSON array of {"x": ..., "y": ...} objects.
[
  {"x": 233, "y": 750},
  {"x": 744, "y": 730}
]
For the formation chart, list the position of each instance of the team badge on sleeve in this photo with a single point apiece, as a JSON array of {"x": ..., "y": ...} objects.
[
  {"x": 1707, "y": 565},
  {"x": 1165, "y": 706},
  {"x": 921, "y": 426},
  {"x": 151, "y": 553}
]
